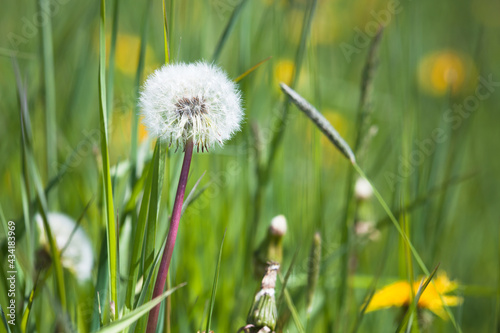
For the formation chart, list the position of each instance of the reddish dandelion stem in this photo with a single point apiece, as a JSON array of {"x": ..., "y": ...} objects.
[{"x": 172, "y": 235}]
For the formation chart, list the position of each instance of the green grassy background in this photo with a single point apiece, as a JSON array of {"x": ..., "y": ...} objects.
[{"x": 456, "y": 227}]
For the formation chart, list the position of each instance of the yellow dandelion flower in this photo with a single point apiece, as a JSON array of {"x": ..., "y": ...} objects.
[
  {"x": 445, "y": 71},
  {"x": 399, "y": 294},
  {"x": 283, "y": 71}
]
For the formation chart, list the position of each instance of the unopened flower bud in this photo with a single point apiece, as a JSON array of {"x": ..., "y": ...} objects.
[
  {"x": 278, "y": 226},
  {"x": 271, "y": 248},
  {"x": 264, "y": 312},
  {"x": 363, "y": 189}
]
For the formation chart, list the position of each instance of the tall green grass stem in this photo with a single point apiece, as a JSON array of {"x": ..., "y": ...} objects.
[{"x": 111, "y": 228}]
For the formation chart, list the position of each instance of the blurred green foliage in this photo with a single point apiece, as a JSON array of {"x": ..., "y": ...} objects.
[{"x": 430, "y": 58}]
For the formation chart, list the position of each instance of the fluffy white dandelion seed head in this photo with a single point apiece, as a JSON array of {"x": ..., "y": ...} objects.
[
  {"x": 191, "y": 101},
  {"x": 363, "y": 189},
  {"x": 78, "y": 255}
]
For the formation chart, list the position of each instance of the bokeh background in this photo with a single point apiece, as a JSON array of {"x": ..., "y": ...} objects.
[{"x": 430, "y": 58}]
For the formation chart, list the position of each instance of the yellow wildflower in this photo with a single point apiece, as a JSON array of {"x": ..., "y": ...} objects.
[
  {"x": 127, "y": 53},
  {"x": 399, "y": 294},
  {"x": 283, "y": 71},
  {"x": 444, "y": 71}
]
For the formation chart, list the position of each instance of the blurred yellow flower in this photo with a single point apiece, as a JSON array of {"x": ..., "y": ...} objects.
[
  {"x": 127, "y": 53},
  {"x": 444, "y": 71},
  {"x": 122, "y": 129},
  {"x": 283, "y": 71},
  {"x": 399, "y": 294},
  {"x": 327, "y": 25}
]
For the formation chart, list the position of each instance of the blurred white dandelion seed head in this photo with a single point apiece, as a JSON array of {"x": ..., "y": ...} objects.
[
  {"x": 191, "y": 101},
  {"x": 78, "y": 255},
  {"x": 363, "y": 189}
]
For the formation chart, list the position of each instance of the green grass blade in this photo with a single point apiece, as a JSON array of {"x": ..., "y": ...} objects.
[
  {"x": 367, "y": 76},
  {"x": 111, "y": 60},
  {"x": 50, "y": 88},
  {"x": 406, "y": 253},
  {"x": 27, "y": 311},
  {"x": 26, "y": 144},
  {"x": 287, "y": 276},
  {"x": 192, "y": 196},
  {"x": 136, "y": 191},
  {"x": 140, "y": 230},
  {"x": 251, "y": 69},
  {"x": 147, "y": 289},
  {"x": 4, "y": 320},
  {"x": 154, "y": 203},
  {"x": 54, "y": 251},
  {"x": 133, "y": 316},
  {"x": 101, "y": 285},
  {"x": 292, "y": 308},
  {"x": 165, "y": 31},
  {"x": 3, "y": 220},
  {"x": 137, "y": 86},
  {"x": 228, "y": 29},
  {"x": 395, "y": 222},
  {"x": 112, "y": 237},
  {"x": 214, "y": 288}
]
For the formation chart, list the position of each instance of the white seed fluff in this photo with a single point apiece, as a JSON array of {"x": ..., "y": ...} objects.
[
  {"x": 78, "y": 256},
  {"x": 191, "y": 101}
]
